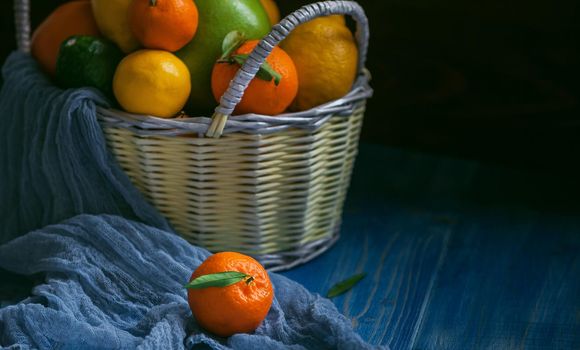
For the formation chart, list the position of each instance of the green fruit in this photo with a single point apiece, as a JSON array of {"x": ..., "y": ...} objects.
[
  {"x": 216, "y": 20},
  {"x": 87, "y": 61}
]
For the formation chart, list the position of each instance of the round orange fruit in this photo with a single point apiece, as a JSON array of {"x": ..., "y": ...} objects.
[
  {"x": 163, "y": 24},
  {"x": 272, "y": 10},
  {"x": 262, "y": 96},
  {"x": 236, "y": 308},
  {"x": 70, "y": 18}
]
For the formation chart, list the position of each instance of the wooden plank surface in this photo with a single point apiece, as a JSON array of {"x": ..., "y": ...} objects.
[
  {"x": 400, "y": 260},
  {"x": 510, "y": 281},
  {"x": 458, "y": 255}
]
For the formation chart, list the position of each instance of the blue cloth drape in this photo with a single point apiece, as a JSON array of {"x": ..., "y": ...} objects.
[{"x": 53, "y": 158}]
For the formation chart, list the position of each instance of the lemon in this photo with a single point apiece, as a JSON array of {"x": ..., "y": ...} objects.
[
  {"x": 325, "y": 55},
  {"x": 112, "y": 19},
  {"x": 152, "y": 82}
]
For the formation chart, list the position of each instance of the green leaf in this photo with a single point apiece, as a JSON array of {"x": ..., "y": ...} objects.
[
  {"x": 344, "y": 286},
  {"x": 220, "y": 279},
  {"x": 232, "y": 41},
  {"x": 266, "y": 72},
  {"x": 239, "y": 58}
]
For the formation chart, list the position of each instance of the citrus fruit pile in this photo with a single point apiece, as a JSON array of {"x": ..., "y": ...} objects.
[{"x": 163, "y": 57}]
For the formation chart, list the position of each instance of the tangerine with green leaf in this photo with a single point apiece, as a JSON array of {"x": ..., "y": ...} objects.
[
  {"x": 216, "y": 20},
  {"x": 270, "y": 92},
  {"x": 230, "y": 293}
]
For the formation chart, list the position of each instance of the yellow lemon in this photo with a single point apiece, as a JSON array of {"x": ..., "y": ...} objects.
[
  {"x": 325, "y": 55},
  {"x": 113, "y": 22},
  {"x": 152, "y": 82}
]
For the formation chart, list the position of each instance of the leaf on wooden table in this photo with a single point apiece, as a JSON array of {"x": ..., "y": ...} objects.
[{"x": 344, "y": 286}]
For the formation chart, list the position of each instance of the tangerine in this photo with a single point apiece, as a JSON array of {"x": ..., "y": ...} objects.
[
  {"x": 70, "y": 18},
  {"x": 272, "y": 10},
  {"x": 261, "y": 96},
  {"x": 163, "y": 24},
  {"x": 237, "y": 308}
]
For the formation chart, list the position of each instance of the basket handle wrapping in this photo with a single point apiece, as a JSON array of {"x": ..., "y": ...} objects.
[
  {"x": 244, "y": 76},
  {"x": 22, "y": 22}
]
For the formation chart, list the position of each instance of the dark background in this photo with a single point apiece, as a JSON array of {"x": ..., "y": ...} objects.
[{"x": 489, "y": 80}]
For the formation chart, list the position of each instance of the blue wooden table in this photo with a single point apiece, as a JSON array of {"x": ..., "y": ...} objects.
[{"x": 458, "y": 255}]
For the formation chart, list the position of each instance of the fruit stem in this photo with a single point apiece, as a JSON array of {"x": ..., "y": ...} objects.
[
  {"x": 152, "y": 2},
  {"x": 250, "y": 280}
]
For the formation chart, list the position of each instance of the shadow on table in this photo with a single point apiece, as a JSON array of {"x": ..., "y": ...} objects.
[{"x": 385, "y": 175}]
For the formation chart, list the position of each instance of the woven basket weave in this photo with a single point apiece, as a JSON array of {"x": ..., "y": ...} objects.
[{"x": 271, "y": 187}]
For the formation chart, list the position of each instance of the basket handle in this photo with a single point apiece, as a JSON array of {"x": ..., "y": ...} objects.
[
  {"x": 244, "y": 76},
  {"x": 22, "y": 22}
]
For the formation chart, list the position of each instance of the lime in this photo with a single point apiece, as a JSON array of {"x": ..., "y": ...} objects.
[
  {"x": 216, "y": 20},
  {"x": 87, "y": 61}
]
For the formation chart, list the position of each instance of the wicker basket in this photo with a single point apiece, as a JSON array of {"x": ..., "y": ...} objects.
[{"x": 271, "y": 187}]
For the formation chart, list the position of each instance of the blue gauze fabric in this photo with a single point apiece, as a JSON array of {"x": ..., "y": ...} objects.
[
  {"x": 111, "y": 281},
  {"x": 114, "y": 283},
  {"x": 53, "y": 158}
]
